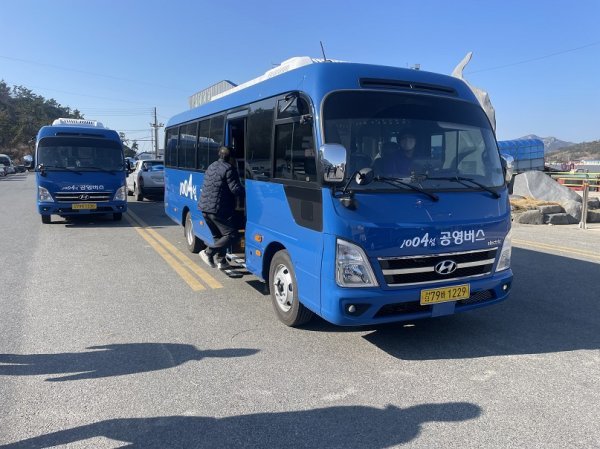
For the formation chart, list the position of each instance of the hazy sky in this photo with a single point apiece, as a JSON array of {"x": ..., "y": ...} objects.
[{"x": 115, "y": 60}]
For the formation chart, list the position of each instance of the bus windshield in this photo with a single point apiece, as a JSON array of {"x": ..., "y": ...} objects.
[
  {"x": 421, "y": 139},
  {"x": 80, "y": 153}
]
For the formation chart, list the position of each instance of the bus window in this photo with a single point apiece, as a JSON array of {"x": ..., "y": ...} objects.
[
  {"x": 203, "y": 144},
  {"x": 217, "y": 126},
  {"x": 294, "y": 152},
  {"x": 187, "y": 146},
  {"x": 171, "y": 147},
  {"x": 260, "y": 137}
]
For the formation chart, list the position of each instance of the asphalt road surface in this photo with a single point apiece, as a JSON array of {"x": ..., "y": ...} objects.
[{"x": 113, "y": 335}]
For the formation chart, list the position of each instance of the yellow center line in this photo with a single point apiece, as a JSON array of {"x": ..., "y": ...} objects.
[
  {"x": 555, "y": 248},
  {"x": 179, "y": 269},
  {"x": 187, "y": 262}
]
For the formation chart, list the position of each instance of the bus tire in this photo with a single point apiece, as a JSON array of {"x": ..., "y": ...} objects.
[
  {"x": 117, "y": 216},
  {"x": 284, "y": 291},
  {"x": 46, "y": 219},
  {"x": 194, "y": 244}
]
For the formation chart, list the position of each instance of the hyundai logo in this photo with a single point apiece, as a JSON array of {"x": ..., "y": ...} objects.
[
  {"x": 84, "y": 196},
  {"x": 446, "y": 267}
]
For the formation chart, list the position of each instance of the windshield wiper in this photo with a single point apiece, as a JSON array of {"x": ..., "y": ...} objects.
[
  {"x": 462, "y": 180},
  {"x": 396, "y": 182},
  {"x": 58, "y": 167},
  {"x": 112, "y": 172}
]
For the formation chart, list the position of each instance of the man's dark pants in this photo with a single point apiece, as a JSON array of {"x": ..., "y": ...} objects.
[{"x": 224, "y": 234}]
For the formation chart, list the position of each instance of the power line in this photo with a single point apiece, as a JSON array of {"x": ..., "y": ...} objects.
[
  {"x": 535, "y": 59},
  {"x": 88, "y": 73},
  {"x": 85, "y": 95}
]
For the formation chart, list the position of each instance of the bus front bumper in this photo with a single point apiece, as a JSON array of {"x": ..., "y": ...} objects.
[
  {"x": 367, "y": 306},
  {"x": 64, "y": 209}
]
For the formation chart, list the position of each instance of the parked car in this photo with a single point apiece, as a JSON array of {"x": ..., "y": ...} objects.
[
  {"x": 147, "y": 179},
  {"x": 7, "y": 162},
  {"x": 21, "y": 168},
  {"x": 2, "y": 171}
]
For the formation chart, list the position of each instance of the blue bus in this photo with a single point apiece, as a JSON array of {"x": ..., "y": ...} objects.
[
  {"x": 330, "y": 225},
  {"x": 80, "y": 170}
]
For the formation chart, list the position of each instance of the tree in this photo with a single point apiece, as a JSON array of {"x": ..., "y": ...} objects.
[{"x": 22, "y": 114}]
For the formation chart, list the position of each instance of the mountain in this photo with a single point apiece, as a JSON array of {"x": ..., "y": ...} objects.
[
  {"x": 577, "y": 152},
  {"x": 551, "y": 144}
]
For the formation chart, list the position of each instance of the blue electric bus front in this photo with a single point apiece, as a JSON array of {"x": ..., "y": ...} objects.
[
  {"x": 339, "y": 220},
  {"x": 80, "y": 170}
]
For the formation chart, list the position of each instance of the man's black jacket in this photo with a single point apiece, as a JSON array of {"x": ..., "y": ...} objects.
[{"x": 221, "y": 186}]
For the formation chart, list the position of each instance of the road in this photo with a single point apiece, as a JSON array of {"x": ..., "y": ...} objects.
[{"x": 112, "y": 335}]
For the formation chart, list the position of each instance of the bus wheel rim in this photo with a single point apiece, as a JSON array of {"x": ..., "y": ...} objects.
[
  {"x": 283, "y": 288},
  {"x": 189, "y": 230}
]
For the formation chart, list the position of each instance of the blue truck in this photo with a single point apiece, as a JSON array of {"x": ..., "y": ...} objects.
[{"x": 80, "y": 170}]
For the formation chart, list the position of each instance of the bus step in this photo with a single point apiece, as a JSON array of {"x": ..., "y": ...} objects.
[{"x": 236, "y": 259}]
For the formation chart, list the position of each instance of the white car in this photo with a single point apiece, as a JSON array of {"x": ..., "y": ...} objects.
[{"x": 147, "y": 179}]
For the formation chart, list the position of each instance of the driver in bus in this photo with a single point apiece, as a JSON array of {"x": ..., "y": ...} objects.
[
  {"x": 220, "y": 188},
  {"x": 396, "y": 159}
]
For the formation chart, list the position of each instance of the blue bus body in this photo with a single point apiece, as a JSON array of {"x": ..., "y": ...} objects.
[
  {"x": 80, "y": 170},
  {"x": 404, "y": 234}
]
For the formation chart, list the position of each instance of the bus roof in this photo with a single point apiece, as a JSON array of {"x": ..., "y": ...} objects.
[
  {"x": 77, "y": 122},
  {"x": 65, "y": 127},
  {"x": 319, "y": 78}
]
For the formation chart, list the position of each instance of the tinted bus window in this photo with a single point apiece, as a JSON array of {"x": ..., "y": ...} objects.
[
  {"x": 216, "y": 137},
  {"x": 452, "y": 138},
  {"x": 292, "y": 107},
  {"x": 84, "y": 154},
  {"x": 171, "y": 147},
  {"x": 187, "y": 146},
  {"x": 295, "y": 152},
  {"x": 260, "y": 137},
  {"x": 203, "y": 144}
]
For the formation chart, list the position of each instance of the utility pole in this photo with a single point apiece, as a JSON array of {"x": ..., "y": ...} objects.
[{"x": 156, "y": 125}]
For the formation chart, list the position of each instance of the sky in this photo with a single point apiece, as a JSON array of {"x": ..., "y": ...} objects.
[{"x": 117, "y": 60}]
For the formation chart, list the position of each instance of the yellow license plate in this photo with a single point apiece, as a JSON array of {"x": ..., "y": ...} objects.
[
  {"x": 437, "y": 295},
  {"x": 84, "y": 206}
]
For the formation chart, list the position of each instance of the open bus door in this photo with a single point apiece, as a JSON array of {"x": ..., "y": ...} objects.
[{"x": 236, "y": 140}]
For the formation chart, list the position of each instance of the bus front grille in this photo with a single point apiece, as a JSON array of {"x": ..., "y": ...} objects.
[
  {"x": 83, "y": 197},
  {"x": 413, "y": 270}
]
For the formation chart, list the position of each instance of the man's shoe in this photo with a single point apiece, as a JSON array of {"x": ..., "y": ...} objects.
[
  {"x": 224, "y": 265},
  {"x": 208, "y": 260}
]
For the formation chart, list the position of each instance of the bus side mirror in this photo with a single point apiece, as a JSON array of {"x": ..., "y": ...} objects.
[
  {"x": 507, "y": 167},
  {"x": 333, "y": 162}
]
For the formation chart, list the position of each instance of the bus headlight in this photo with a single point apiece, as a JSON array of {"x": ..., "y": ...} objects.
[
  {"x": 352, "y": 268},
  {"x": 44, "y": 195},
  {"x": 505, "y": 253},
  {"x": 121, "y": 194}
]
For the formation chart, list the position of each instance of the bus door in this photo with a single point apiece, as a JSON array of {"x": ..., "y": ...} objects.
[{"x": 236, "y": 138}]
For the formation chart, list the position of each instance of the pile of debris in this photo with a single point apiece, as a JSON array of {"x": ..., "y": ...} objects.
[{"x": 539, "y": 199}]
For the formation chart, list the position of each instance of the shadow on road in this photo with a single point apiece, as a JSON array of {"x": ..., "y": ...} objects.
[
  {"x": 553, "y": 307},
  {"x": 345, "y": 427},
  {"x": 109, "y": 360}
]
